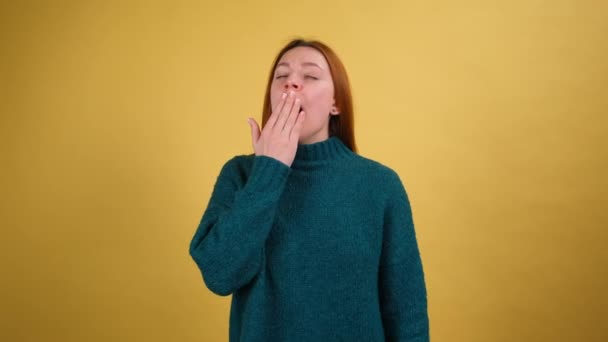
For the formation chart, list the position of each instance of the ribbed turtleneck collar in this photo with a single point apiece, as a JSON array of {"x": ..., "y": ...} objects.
[{"x": 327, "y": 150}]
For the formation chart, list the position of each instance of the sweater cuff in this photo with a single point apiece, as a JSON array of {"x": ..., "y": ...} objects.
[{"x": 267, "y": 174}]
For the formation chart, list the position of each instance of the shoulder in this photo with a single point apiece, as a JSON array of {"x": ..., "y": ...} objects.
[
  {"x": 239, "y": 161},
  {"x": 237, "y": 168},
  {"x": 379, "y": 171},
  {"x": 384, "y": 181}
]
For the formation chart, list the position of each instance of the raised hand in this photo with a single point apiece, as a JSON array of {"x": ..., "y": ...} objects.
[{"x": 279, "y": 137}]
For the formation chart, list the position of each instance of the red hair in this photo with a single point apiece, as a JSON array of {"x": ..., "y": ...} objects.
[{"x": 341, "y": 125}]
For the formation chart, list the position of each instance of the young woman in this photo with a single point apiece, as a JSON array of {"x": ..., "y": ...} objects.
[{"x": 314, "y": 241}]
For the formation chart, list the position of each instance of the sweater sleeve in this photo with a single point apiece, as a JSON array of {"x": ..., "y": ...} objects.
[
  {"x": 228, "y": 246},
  {"x": 403, "y": 297}
]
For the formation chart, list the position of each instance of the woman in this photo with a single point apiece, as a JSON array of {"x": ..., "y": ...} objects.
[{"x": 314, "y": 242}]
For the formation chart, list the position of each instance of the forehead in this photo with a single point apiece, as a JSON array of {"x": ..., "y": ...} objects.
[{"x": 303, "y": 54}]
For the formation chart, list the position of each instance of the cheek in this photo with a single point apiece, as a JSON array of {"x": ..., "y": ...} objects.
[
  {"x": 323, "y": 99},
  {"x": 273, "y": 101},
  {"x": 275, "y": 96}
]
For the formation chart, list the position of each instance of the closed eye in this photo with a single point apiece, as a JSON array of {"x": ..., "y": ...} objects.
[{"x": 307, "y": 76}]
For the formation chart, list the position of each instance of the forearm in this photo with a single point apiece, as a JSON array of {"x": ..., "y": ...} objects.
[{"x": 228, "y": 244}]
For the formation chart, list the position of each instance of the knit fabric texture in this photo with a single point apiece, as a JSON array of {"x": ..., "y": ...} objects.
[{"x": 324, "y": 250}]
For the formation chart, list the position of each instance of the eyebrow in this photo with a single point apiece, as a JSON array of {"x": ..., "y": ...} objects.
[{"x": 303, "y": 64}]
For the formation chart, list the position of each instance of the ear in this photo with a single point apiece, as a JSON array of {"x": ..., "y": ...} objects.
[{"x": 334, "y": 110}]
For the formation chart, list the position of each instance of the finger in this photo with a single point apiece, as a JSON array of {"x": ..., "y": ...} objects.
[
  {"x": 297, "y": 127},
  {"x": 255, "y": 131},
  {"x": 275, "y": 111},
  {"x": 284, "y": 115},
  {"x": 293, "y": 116}
]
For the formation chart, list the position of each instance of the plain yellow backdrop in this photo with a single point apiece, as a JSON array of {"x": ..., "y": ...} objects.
[{"x": 118, "y": 115}]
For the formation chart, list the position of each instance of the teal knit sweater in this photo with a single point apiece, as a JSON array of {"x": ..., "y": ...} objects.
[{"x": 324, "y": 250}]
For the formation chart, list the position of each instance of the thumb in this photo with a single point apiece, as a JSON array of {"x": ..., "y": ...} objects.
[{"x": 255, "y": 130}]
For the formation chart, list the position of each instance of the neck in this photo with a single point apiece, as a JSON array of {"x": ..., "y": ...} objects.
[
  {"x": 320, "y": 136},
  {"x": 320, "y": 152}
]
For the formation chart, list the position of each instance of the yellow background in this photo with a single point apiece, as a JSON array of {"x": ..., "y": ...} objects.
[{"x": 116, "y": 117}]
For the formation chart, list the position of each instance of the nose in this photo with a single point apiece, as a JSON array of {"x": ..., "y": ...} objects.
[{"x": 292, "y": 85}]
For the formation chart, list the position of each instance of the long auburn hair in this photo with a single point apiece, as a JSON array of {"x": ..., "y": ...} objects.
[{"x": 341, "y": 125}]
